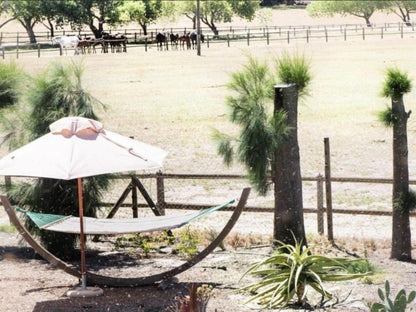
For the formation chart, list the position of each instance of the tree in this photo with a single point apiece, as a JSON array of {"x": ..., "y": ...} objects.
[
  {"x": 54, "y": 94},
  {"x": 268, "y": 135},
  {"x": 213, "y": 12},
  {"x": 27, "y": 12},
  {"x": 361, "y": 8},
  {"x": 143, "y": 12},
  {"x": 93, "y": 13},
  {"x": 403, "y": 8},
  {"x": 395, "y": 86}
]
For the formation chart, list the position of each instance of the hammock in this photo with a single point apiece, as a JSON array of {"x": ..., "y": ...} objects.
[{"x": 94, "y": 226}]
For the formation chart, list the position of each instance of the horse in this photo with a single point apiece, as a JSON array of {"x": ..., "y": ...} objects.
[
  {"x": 160, "y": 40},
  {"x": 185, "y": 39},
  {"x": 193, "y": 36},
  {"x": 116, "y": 42},
  {"x": 174, "y": 39},
  {"x": 67, "y": 42}
]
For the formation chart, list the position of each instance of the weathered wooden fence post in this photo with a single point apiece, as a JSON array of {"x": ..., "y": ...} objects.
[
  {"x": 248, "y": 38},
  {"x": 328, "y": 189},
  {"x": 134, "y": 201},
  {"x": 320, "y": 204},
  {"x": 160, "y": 192},
  {"x": 38, "y": 46},
  {"x": 228, "y": 40}
]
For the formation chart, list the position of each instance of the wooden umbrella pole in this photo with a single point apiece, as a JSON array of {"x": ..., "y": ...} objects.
[{"x": 81, "y": 233}]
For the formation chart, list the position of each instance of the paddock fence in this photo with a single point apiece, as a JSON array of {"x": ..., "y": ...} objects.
[
  {"x": 17, "y": 43},
  {"x": 162, "y": 191}
]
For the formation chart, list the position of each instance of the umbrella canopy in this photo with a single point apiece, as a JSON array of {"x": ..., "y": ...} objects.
[{"x": 80, "y": 147}]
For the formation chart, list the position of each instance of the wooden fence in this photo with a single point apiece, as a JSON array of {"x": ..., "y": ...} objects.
[{"x": 17, "y": 44}]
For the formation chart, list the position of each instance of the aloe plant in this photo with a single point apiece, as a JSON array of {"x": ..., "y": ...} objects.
[
  {"x": 387, "y": 305},
  {"x": 290, "y": 270}
]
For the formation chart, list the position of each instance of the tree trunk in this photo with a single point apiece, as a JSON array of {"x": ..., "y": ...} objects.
[
  {"x": 29, "y": 29},
  {"x": 401, "y": 248},
  {"x": 288, "y": 212}
]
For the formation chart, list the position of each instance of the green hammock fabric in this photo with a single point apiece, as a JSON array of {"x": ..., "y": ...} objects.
[
  {"x": 69, "y": 224},
  {"x": 41, "y": 219}
]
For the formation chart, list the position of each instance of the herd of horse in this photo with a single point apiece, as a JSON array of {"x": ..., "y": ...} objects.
[
  {"x": 188, "y": 39},
  {"x": 107, "y": 42},
  {"x": 118, "y": 42}
]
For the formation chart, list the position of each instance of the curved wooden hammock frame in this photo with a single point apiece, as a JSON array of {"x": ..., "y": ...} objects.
[{"x": 118, "y": 281}]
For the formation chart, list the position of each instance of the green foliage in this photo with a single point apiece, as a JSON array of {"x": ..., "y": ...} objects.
[
  {"x": 396, "y": 84},
  {"x": 262, "y": 130},
  {"x": 7, "y": 228},
  {"x": 407, "y": 201},
  {"x": 387, "y": 305},
  {"x": 290, "y": 270},
  {"x": 387, "y": 117},
  {"x": 146, "y": 243},
  {"x": 141, "y": 12},
  {"x": 53, "y": 94},
  {"x": 187, "y": 243},
  {"x": 11, "y": 83},
  {"x": 294, "y": 69}
]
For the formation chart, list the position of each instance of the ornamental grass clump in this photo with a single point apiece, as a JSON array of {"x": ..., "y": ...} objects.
[{"x": 290, "y": 271}]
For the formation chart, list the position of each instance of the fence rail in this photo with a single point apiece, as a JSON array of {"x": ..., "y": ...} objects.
[
  {"x": 162, "y": 203},
  {"x": 17, "y": 43}
]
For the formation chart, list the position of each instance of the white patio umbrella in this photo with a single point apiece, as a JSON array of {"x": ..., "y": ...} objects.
[{"x": 78, "y": 147}]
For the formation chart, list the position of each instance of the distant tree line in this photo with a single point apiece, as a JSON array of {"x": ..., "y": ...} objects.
[{"x": 95, "y": 14}]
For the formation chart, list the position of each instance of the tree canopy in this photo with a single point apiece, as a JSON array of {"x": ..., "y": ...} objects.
[
  {"x": 213, "y": 12},
  {"x": 363, "y": 9}
]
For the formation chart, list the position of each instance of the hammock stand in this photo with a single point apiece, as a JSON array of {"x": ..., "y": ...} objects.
[{"x": 100, "y": 280}]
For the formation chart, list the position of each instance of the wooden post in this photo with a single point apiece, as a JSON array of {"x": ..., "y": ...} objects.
[
  {"x": 326, "y": 35},
  {"x": 17, "y": 45},
  {"x": 38, "y": 49},
  {"x": 134, "y": 201},
  {"x": 363, "y": 33},
  {"x": 345, "y": 34},
  {"x": 288, "y": 37},
  {"x": 381, "y": 33},
  {"x": 307, "y": 35},
  {"x": 160, "y": 191},
  {"x": 267, "y": 36},
  {"x": 328, "y": 189},
  {"x": 248, "y": 38},
  {"x": 8, "y": 182},
  {"x": 320, "y": 204},
  {"x": 145, "y": 44},
  {"x": 228, "y": 40}
]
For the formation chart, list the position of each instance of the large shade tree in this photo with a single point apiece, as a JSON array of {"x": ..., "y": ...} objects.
[
  {"x": 142, "y": 12},
  {"x": 213, "y": 12},
  {"x": 92, "y": 13},
  {"x": 360, "y": 8},
  {"x": 396, "y": 85},
  {"x": 268, "y": 137}
]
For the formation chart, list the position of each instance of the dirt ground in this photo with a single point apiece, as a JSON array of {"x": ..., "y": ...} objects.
[{"x": 28, "y": 283}]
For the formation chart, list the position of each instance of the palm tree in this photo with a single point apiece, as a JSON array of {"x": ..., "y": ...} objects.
[
  {"x": 395, "y": 86},
  {"x": 268, "y": 135},
  {"x": 55, "y": 93}
]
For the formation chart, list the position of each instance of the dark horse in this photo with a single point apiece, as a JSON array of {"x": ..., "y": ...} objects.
[
  {"x": 193, "y": 36},
  {"x": 161, "y": 39},
  {"x": 174, "y": 38}
]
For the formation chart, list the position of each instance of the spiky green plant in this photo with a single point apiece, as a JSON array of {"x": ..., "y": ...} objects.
[
  {"x": 396, "y": 84},
  {"x": 290, "y": 270}
]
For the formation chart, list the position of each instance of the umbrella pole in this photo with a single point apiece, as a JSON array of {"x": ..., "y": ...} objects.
[
  {"x": 81, "y": 233},
  {"x": 83, "y": 291}
]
